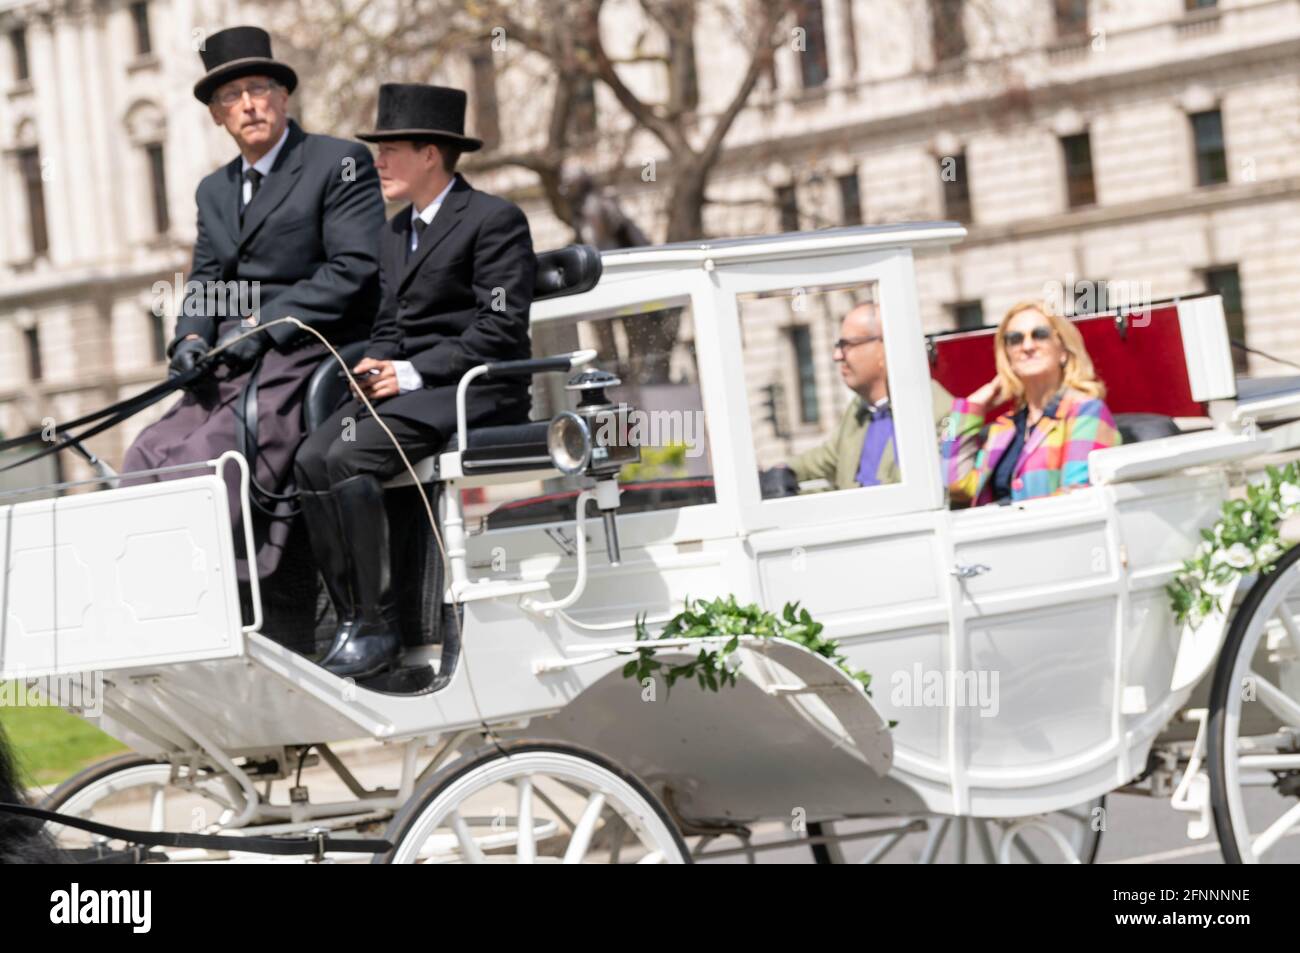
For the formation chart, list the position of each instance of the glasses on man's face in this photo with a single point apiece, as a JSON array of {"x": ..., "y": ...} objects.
[
  {"x": 258, "y": 91},
  {"x": 1016, "y": 338},
  {"x": 843, "y": 344}
]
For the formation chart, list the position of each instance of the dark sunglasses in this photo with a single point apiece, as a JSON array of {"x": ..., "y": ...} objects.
[
  {"x": 1015, "y": 338},
  {"x": 843, "y": 344}
]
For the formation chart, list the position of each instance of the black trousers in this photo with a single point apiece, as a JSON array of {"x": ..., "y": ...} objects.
[{"x": 349, "y": 445}]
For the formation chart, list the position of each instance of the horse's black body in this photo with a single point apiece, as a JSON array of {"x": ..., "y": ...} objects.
[{"x": 22, "y": 839}]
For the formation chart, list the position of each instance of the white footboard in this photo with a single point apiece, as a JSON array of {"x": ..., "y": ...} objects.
[{"x": 116, "y": 579}]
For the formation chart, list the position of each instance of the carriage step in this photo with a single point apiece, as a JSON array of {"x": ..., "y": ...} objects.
[{"x": 404, "y": 680}]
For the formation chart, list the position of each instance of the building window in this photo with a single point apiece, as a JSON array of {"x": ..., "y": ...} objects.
[
  {"x": 956, "y": 187},
  {"x": 1225, "y": 281},
  {"x": 813, "y": 67},
  {"x": 788, "y": 202},
  {"x": 18, "y": 43},
  {"x": 486, "y": 115},
  {"x": 582, "y": 113},
  {"x": 32, "y": 338},
  {"x": 140, "y": 22},
  {"x": 1071, "y": 18},
  {"x": 806, "y": 373},
  {"x": 947, "y": 32},
  {"x": 1211, "y": 157},
  {"x": 968, "y": 315},
  {"x": 850, "y": 200},
  {"x": 29, "y": 168},
  {"x": 1080, "y": 188},
  {"x": 158, "y": 184},
  {"x": 157, "y": 337}
]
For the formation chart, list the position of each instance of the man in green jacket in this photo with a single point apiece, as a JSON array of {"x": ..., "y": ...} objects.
[{"x": 862, "y": 451}]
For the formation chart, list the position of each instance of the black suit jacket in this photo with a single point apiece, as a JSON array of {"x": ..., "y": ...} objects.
[
  {"x": 307, "y": 239},
  {"x": 462, "y": 299}
]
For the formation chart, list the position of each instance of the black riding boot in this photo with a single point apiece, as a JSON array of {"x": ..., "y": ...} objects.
[
  {"x": 330, "y": 549},
  {"x": 371, "y": 647}
]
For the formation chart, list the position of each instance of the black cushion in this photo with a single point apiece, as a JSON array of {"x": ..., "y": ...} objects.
[
  {"x": 529, "y": 433},
  {"x": 327, "y": 387},
  {"x": 1134, "y": 428},
  {"x": 566, "y": 271},
  {"x": 508, "y": 447},
  {"x": 777, "y": 482}
]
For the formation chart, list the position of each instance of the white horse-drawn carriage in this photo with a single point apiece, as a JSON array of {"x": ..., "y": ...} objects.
[{"x": 519, "y": 738}]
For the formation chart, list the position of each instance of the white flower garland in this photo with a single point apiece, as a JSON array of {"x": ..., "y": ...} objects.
[{"x": 1248, "y": 538}]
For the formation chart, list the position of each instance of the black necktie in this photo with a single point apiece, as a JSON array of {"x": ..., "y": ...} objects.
[
  {"x": 419, "y": 225},
  {"x": 254, "y": 178}
]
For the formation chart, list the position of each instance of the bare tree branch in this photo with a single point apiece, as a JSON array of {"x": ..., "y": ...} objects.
[
  {"x": 641, "y": 112},
  {"x": 765, "y": 43}
]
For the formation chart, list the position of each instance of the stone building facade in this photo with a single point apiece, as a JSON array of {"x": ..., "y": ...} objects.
[
  {"x": 1097, "y": 150},
  {"x": 102, "y": 146}
]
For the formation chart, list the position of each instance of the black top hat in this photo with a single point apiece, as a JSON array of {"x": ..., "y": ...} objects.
[
  {"x": 422, "y": 113},
  {"x": 239, "y": 51}
]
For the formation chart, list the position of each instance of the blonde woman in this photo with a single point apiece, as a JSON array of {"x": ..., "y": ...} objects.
[{"x": 1041, "y": 447}]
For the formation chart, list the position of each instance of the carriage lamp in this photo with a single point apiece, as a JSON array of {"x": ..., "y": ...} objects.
[
  {"x": 593, "y": 441},
  {"x": 568, "y": 440}
]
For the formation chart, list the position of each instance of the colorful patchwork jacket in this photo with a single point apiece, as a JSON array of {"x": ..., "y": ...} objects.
[{"x": 1055, "y": 454}]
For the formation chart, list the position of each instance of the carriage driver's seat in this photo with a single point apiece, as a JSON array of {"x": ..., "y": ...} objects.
[
  {"x": 511, "y": 447},
  {"x": 564, "y": 271}
]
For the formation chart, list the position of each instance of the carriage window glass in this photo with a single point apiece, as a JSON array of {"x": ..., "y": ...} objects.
[
  {"x": 818, "y": 388},
  {"x": 652, "y": 352}
]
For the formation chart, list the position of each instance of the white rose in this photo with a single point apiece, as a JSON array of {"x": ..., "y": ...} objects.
[
  {"x": 1247, "y": 518},
  {"x": 1290, "y": 494},
  {"x": 1239, "y": 556},
  {"x": 1215, "y": 588},
  {"x": 1269, "y": 552}
]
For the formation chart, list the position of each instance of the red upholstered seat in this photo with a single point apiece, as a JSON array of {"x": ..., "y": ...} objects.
[{"x": 1139, "y": 358}]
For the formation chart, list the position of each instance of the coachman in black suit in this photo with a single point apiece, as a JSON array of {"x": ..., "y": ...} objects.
[
  {"x": 286, "y": 229},
  {"x": 457, "y": 271}
]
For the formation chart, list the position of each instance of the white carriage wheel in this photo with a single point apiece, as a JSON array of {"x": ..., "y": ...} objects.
[
  {"x": 1268, "y": 700},
  {"x": 1071, "y": 834},
  {"x": 522, "y": 785},
  {"x": 134, "y": 792}
]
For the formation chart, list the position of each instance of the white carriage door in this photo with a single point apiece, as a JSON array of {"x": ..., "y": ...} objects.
[
  {"x": 777, "y": 322},
  {"x": 877, "y": 585},
  {"x": 1038, "y": 592},
  {"x": 866, "y": 561}
]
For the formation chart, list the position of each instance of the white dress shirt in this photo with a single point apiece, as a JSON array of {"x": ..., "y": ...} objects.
[
  {"x": 262, "y": 165},
  {"x": 427, "y": 213},
  {"x": 408, "y": 378}
]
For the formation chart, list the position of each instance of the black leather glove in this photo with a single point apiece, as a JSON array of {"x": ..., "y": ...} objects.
[
  {"x": 186, "y": 354},
  {"x": 242, "y": 355},
  {"x": 777, "y": 482}
]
